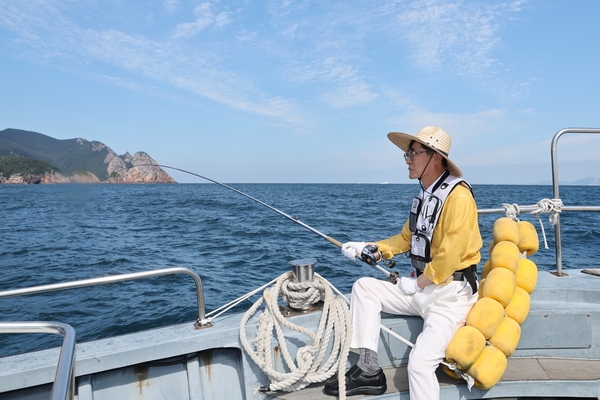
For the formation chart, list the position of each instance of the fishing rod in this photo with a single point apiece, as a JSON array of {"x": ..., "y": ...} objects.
[{"x": 368, "y": 258}]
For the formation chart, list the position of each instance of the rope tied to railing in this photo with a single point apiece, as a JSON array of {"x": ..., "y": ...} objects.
[
  {"x": 511, "y": 210},
  {"x": 551, "y": 206},
  {"x": 309, "y": 365}
]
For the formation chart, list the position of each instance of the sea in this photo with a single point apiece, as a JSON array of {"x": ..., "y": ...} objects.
[{"x": 68, "y": 232}]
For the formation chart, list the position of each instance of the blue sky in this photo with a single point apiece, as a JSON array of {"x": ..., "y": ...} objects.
[{"x": 306, "y": 91}]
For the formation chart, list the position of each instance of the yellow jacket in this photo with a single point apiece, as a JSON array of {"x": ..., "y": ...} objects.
[{"x": 456, "y": 239}]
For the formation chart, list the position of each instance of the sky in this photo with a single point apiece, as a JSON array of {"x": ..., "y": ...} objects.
[{"x": 306, "y": 91}]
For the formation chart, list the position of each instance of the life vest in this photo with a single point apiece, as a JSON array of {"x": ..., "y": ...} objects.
[{"x": 425, "y": 212}]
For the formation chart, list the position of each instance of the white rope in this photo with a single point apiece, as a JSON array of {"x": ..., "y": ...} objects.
[
  {"x": 310, "y": 365},
  {"x": 511, "y": 210},
  {"x": 226, "y": 307},
  {"x": 551, "y": 206}
]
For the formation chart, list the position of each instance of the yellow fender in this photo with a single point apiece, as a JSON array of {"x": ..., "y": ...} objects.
[
  {"x": 505, "y": 228},
  {"x": 507, "y": 336},
  {"x": 507, "y": 280},
  {"x": 518, "y": 308},
  {"x": 489, "y": 368},
  {"x": 487, "y": 267},
  {"x": 529, "y": 242},
  {"x": 500, "y": 285},
  {"x": 486, "y": 316},
  {"x": 505, "y": 254},
  {"x": 527, "y": 275},
  {"x": 465, "y": 347}
]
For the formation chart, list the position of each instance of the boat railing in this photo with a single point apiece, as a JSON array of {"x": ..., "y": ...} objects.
[
  {"x": 64, "y": 380},
  {"x": 113, "y": 279},
  {"x": 535, "y": 209}
]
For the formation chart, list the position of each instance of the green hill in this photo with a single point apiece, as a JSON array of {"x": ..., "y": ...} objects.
[
  {"x": 68, "y": 156},
  {"x": 20, "y": 165}
]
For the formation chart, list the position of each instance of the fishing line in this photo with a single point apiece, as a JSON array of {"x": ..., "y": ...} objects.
[{"x": 294, "y": 219}]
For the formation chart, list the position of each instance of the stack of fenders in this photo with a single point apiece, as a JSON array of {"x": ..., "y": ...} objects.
[{"x": 493, "y": 327}]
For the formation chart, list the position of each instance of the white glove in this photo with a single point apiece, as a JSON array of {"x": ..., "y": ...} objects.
[
  {"x": 408, "y": 285},
  {"x": 351, "y": 249}
]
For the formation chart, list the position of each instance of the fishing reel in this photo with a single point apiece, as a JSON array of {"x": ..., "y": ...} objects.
[{"x": 367, "y": 255}]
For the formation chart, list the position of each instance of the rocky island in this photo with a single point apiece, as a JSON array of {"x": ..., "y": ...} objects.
[{"x": 30, "y": 158}]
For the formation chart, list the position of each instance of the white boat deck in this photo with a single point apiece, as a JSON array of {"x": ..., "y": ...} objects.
[
  {"x": 543, "y": 377},
  {"x": 559, "y": 346}
]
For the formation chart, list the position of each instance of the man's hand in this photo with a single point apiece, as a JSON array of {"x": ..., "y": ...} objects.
[
  {"x": 408, "y": 285},
  {"x": 352, "y": 250},
  {"x": 423, "y": 281}
]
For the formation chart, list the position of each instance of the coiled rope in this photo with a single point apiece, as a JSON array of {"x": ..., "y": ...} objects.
[
  {"x": 310, "y": 365},
  {"x": 551, "y": 206}
]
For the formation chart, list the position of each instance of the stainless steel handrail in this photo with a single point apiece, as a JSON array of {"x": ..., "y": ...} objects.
[
  {"x": 536, "y": 209},
  {"x": 113, "y": 279},
  {"x": 554, "y": 158},
  {"x": 64, "y": 380},
  {"x": 555, "y": 186}
]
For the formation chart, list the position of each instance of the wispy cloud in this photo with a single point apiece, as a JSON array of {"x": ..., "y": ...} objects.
[
  {"x": 171, "y": 6},
  {"x": 205, "y": 18},
  {"x": 323, "y": 47},
  {"x": 457, "y": 36},
  {"x": 446, "y": 34},
  {"x": 180, "y": 65}
]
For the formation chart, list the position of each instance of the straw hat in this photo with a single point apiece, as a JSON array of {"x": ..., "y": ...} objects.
[{"x": 431, "y": 136}]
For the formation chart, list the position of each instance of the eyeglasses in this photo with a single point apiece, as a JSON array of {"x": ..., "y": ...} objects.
[{"x": 411, "y": 154}]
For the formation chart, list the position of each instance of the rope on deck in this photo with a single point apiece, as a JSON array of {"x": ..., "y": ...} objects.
[{"x": 309, "y": 365}]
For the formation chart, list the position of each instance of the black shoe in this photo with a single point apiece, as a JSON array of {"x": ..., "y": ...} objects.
[{"x": 358, "y": 382}]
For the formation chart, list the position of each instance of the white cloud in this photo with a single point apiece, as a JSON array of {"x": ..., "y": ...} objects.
[
  {"x": 325, "y": 49},
  {"x": 456, "y": 36},
  {"x": 349, "y": 95},
  {"x": 171, "y": 6},
  {"x": 205, "y": 17}
]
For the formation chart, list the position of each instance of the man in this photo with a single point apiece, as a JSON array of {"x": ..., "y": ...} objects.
[{"x": 443, "y": 240}]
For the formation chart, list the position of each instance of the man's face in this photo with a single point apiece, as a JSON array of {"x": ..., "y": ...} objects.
[{"x": 417, "y": 161}]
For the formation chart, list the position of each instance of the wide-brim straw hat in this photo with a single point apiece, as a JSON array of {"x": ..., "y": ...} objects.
[{"x": 431, "y": 136}]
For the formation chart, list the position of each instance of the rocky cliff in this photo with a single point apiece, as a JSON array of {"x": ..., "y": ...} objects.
[{"x": 31, "y": 157}]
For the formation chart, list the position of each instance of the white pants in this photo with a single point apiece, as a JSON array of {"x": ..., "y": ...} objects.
[{"x": 444, "y": 309}]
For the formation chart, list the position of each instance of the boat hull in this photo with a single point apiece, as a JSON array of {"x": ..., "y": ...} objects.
[{"x": 558, "y": 356}]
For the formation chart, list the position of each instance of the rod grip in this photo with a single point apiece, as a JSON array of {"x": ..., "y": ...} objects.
[{"x": 332, "y": 240}]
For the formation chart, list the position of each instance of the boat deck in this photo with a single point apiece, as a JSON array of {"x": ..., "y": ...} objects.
[{"x": 545, "y": 377}]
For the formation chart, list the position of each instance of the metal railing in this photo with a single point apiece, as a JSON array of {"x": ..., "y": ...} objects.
[
  {"x": 64, "y": 380},
  {"x": 555, "y": 187},
  {"x": 554, "y": 157},
  {"x": 112, "y": 279}
]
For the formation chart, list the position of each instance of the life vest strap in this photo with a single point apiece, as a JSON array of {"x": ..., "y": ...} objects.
[{"x": 469, "y": 274}]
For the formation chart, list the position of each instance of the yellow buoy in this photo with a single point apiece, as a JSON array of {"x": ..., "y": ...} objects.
[
  {"x": 487, "y": 267},
  {"x": 529, "y": 241},
  {"x": 527, "y": 275},
  {"x": 480, "y": 289},
  {"x": 491, "y": 247},
  {"x": 506, "y": 255},
  {"x": 465, "y": 347},
  {"x": 488, "y": 368},
  {"x": 518, "y": 308},
  {"x": 486, "y": 316},
  {"x": 500, "y": 285},
  {"x": 505, "y": 228},
  {"x": 507, "y": 336}
]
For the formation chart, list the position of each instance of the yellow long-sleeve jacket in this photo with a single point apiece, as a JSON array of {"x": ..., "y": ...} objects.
[{"x": 456, "y": 239}]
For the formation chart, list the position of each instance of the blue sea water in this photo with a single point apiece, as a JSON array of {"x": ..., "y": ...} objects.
[{"x": 59, "y": 233}]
